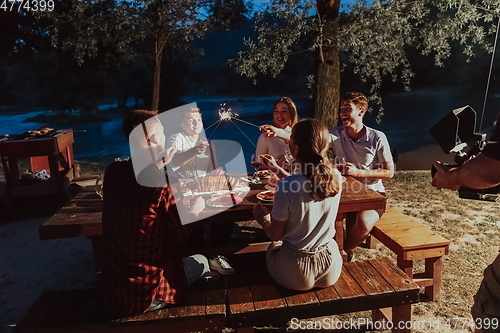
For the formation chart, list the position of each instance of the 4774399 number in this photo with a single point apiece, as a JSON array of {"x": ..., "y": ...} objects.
[{"x": 26, "y": 5}]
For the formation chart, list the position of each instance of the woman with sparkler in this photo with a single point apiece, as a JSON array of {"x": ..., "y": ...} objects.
[
  {"x": 284, "y": 118},
  {"x": 304, "y": 254}
]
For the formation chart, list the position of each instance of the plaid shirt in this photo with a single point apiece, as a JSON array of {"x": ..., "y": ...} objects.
[{"x": 140, "y": 228}]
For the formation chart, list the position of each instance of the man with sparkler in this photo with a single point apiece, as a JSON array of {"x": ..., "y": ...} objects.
[
  {"x": 191, "y": 159},
  {"x": 368, "y": 158}
]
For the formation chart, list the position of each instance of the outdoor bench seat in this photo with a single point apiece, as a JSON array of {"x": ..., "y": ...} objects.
[
  {"x": 243, "y": 300},
  {"x": 411, "y": 240},
  {"x": 72, "y": 311},
  {"x": 254, "y": 299}
]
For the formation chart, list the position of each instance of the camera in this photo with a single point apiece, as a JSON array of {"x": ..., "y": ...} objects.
[{"x": 455, "y": 133}]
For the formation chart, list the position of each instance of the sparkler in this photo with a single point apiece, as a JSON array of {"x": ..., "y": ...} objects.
[{"x": 227, "y": 114}]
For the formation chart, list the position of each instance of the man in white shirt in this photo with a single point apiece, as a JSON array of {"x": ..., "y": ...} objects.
[
  {"x": 368, "y": 158},
  {"x": 191, "y": 159}
]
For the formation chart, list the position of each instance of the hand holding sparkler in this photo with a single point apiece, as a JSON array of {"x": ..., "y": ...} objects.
[
  {"x": 273, "y": 131},
  {"x": 268, "y": 130}
]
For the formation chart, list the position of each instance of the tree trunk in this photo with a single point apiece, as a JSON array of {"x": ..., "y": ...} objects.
[
  {"x": 326, "y": 93},
  {"x": 155, "y": 102}
]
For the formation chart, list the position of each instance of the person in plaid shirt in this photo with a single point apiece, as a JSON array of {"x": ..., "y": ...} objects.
[{"x": 142, "y": 269}]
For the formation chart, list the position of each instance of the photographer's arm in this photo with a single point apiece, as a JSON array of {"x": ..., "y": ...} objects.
[{"x": 480, "y": 172}]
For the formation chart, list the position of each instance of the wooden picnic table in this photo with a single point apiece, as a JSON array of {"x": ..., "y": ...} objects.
[{"x": 82, "y": 215}]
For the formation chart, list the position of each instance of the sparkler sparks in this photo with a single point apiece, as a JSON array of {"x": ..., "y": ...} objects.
[{"x": 226, "y": 113}]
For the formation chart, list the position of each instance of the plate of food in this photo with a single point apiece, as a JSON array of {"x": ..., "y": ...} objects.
[
  {"x": 263, "y": 173},
  {"x": 224, "y": 201},
  {"x": 266, "y": 196}
]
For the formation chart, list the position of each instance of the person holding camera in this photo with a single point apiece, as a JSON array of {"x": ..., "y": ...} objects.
[
  {"x": 368, "y": 158},
  {"x": 480, "y": 172}
]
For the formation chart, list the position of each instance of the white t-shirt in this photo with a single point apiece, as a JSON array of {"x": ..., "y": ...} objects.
[
  {"x": 273, "y": 146},
  {"x": 366, "y": 153},
  {"x": 198, "y": 164},
  {"x": 309, "y": 224}
]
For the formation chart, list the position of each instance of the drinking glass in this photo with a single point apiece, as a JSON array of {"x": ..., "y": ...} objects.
[
  {"x": 98, "y": 186},
  {"x": 288, "y": 158},
  {"x": 340, "y": 163},
  {"x": 192, "y": 184},
  {"x": 256, "y": 163}
]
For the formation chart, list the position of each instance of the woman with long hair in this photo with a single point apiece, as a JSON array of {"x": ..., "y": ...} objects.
[
  {"x": 304, "y": 254},
  {"x": 284, "y": 118}
]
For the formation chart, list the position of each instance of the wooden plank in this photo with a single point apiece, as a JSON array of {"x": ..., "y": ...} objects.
[
  {"x": 299, "y": 299},
  {"x": 239, "y": 295},
  {"x": 60, "y": 312},
  {"x": 328, "y": 294},
  {"x": 195, "y": 304},
  {"x": 434, "y": 267},
  {"x": 422, "y": 242},
  {"x": 254, "y": 247},
  {"x": 400, "y": 225},
  {"x": 216, "y": 298},
  {"x": 426, "y": 253},
  {"x": 392, "y": 274},
  {"x": 36, "y": 314},
  {"x": 368, "y": 278},
  {"x": 346, "y": 286},
  {"x": 265, "y": 293},
  {"x": 269, "y": 305}
]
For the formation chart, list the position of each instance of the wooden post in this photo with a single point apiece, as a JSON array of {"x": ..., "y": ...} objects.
[
  {"x": 401, "y": 315},
  {"x": 434, "y": 268}
]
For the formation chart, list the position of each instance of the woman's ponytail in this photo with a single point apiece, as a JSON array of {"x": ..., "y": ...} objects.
[{"x": 312, "y": 139}]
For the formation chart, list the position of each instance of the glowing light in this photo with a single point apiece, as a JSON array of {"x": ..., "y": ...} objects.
[{"x": 226, "y": 113}]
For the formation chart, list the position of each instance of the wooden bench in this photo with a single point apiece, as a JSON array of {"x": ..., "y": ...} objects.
[
  {"x": 250, "y": 296},
  {"x": 411, "y": 240},
  {"x": 75, "y": 311},
  {"x": 254, "y": 299}
]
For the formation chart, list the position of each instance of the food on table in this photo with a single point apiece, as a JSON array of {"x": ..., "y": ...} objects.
[
  {"x": 217, "y": 180},
  {"x": 228, "y": 200},
  {"x": 263, "y": 173},
  {"x": 266, "y": 195},
  {"x": 273, "y": 181}
]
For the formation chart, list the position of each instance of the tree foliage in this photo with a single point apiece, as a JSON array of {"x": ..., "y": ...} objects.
[
  {"x": 115, "y": 32},
  {"x": 373, "y": 40}
]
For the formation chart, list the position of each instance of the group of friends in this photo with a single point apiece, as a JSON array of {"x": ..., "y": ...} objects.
[{"x": 143, "y": 269}]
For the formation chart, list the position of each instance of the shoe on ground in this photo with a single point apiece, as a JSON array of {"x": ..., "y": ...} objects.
[
  {"x": 156, "y": 305},
  {"x": 350, "y": 256},
  {"x": 220, "y": 264}
]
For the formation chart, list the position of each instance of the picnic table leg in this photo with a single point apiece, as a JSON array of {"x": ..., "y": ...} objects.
[
  {"x": 340, "y": 234},
  {"x": 401, "y": 319},
  {"x": 405, "y": 265}
]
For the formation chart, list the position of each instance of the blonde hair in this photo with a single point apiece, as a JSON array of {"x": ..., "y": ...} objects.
[{"x": 312, "y": 140}]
